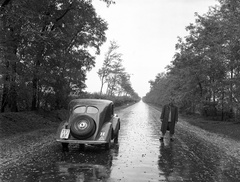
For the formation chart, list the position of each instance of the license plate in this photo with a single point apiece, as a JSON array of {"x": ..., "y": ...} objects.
[{"x": 65, "y": 133}]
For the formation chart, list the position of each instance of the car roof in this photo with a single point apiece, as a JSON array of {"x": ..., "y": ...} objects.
[{"x": 100, "y": 103}]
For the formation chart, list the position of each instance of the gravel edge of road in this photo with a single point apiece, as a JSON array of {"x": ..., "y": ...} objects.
[
  {"x": 228, "y": 145},
  {"x": 15, "y": 148}
]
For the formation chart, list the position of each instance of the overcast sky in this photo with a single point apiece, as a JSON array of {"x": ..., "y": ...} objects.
[{"x": 146, "y": 31}]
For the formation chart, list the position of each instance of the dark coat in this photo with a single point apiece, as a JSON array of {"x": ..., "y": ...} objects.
[{"x": 164, "y": 118}]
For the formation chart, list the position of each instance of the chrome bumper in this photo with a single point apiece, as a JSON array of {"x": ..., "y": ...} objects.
[{"x": 82, "y": 141}]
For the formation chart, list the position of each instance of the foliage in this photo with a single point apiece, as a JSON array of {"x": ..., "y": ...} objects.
[
  {"x": 204, "y": 73},
  {"x": 45, "y": 51},
  {"x": 111, "y": 61},
  {"x": 113, "y": 74}
]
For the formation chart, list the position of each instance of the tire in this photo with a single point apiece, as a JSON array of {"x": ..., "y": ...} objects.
[
  {"x": 83, "y": 127},
  {"x": 108, "y": 144},
  {"x": 116, "y": 137}
]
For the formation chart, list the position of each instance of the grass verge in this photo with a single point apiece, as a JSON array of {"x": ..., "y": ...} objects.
[
  {"x": 22, "y": 122},
  {"x": 224, "y": 128}
]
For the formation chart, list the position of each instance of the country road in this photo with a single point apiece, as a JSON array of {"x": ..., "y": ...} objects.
[{"x": 139, "y": 156}]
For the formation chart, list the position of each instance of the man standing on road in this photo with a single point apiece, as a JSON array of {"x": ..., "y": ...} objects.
[{"x": 169, "y": 117}]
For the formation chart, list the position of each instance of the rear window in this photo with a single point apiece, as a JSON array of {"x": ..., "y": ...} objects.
[
  {"x": 92, "y": 110},
  {"x": 80, "y": 109},
  {"x": 83, "y": 109}
]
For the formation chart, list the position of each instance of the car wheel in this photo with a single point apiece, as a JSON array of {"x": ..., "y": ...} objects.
[
  {"x": 83, "y": 127},
  {"x": 116, "y": 137},
  {"x": 108, "y": 144}
]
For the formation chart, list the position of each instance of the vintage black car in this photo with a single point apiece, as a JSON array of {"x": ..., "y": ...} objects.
[{"x": 90, "y": 121}]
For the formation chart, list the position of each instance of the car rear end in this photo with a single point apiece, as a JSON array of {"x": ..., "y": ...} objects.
[{"x": 86, "y": 125}]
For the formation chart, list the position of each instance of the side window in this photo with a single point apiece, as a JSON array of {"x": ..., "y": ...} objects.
[
  {"x": 92, "y": 110},
  {"x": 80, "y": 109}
]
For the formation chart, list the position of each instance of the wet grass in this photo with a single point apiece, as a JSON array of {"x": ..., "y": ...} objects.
[
  {"x": 22, "y": 122},
  {"x": 224, "y": 128}
]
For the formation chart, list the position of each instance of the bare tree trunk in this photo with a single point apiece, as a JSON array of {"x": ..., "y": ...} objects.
[
  {"x": 34, "y": 92},
  {"x": 4, "y": 96},
  {"x": 231, "y": 92},
  {"x": 13, "y": 91},
  {"x": 101, "y": 85},
  {"x": 35, "y": 80},
  {"x": 222, "y": 117},
  {"x": 9, "y": 97}
]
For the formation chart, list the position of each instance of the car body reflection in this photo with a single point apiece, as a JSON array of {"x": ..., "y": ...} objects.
[
  {"x": 90, "y": 165},
  {"x": 83, "y": 172}
]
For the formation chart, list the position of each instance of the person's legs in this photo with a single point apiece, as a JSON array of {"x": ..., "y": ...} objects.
[
  {"x": 163, "y": 131},
  {"x": 171, "y": 136},
  {"x": 171, "y": 131}
]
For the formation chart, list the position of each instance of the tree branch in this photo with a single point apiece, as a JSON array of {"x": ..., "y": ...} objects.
[{"x": 59, "y": 18}]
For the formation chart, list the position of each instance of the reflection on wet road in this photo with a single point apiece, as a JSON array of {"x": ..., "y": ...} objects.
[{"x": 139, "y": 156}]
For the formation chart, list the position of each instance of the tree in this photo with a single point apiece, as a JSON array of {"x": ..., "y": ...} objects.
[
  {"x": 111, "y": 61},
  {"x": 125, "y": 85},
  {"x": 114, "y": 78},
  {"x": 205, "y": 68},
  {"x": 51, "y": 41},
  {"x": 113, "y": 74}
]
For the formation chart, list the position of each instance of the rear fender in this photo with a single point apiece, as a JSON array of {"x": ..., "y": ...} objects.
[
  {"x": 105, "y": 132},
  {"x": 116, "y": 124}
]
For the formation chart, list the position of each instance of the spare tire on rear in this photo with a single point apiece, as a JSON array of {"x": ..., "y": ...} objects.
[{"x": 83, "y": 127}]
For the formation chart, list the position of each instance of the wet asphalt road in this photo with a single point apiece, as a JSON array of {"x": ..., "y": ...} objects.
[{"x": 139, "y": 156}]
